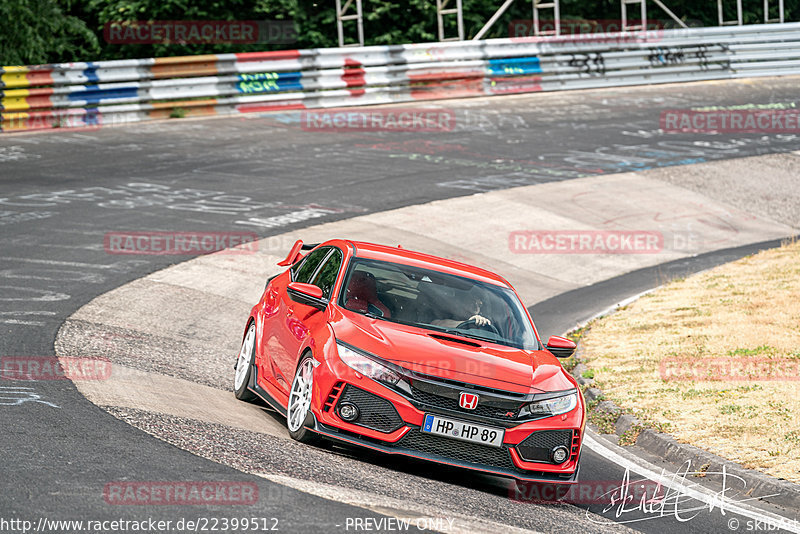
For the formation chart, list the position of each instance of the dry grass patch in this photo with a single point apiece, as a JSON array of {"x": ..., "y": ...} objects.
[{"x": 738, "y": 320}]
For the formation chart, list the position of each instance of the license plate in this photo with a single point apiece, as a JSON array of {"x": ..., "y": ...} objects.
[{"x": 451, "y": 428}]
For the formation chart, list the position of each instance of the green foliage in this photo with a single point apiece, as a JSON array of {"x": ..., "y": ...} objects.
[
  {"x": 605, "y": 421},
  {"x": 101, "y": 12},
  {"x": 39, "y": 31},
  {"x": 630, "y": 436}
]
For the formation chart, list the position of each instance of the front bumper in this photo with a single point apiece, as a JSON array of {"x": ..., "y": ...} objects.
[
  {"x": 397, "y": 431},
  {"x": 416, "y": 446}
]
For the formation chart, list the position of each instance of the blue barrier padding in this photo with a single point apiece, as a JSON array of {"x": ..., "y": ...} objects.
[
  {"x": 267, "y": 82},
  {"x": 91, "y": 73},
  {"x": 96, "y": 96},
  {"x": 515, "y": 66},
  {"x": 261, "y": 76}
]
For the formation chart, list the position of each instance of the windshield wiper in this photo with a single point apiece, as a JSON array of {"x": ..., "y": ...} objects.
[{"x": 471, "y": 336}]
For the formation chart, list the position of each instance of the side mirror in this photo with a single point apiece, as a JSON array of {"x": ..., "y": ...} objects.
[
  {"x": 307, "y": 294},
  {"x": 561, "y": 347}
]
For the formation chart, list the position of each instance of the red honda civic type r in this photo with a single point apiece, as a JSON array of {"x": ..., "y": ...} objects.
[{"x": 412, "y": 354}]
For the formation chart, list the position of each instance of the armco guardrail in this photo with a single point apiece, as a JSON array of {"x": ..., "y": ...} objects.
[{"x": 112, "y": 92}]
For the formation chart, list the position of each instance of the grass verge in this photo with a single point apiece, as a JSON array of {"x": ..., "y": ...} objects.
[{"x": 713, "y": 359}]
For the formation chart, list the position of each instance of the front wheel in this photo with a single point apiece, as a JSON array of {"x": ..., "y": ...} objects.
[
  {"x": 298, "y": 414},
  {"x": 244, "y": 366}
]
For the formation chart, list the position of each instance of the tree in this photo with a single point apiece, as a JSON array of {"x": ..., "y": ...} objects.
[{"x": 39, "y": 31}]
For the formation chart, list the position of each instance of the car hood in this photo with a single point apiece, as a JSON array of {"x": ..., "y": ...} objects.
[{"x": 473, "y": 362}]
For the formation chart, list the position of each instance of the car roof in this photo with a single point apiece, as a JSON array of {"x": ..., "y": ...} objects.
[{"x": 412, "y": 258}]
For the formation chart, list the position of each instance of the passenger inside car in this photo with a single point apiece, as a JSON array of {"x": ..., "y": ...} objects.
[{"x": 362, "y": 295}]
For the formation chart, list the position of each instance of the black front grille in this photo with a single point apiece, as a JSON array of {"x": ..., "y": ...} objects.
[
  {"x": 376, "y": 412},
  {"x": 447, "y": 399},
  {"x": 461, "y": 451},
  {"x": 537, "y": 446}
]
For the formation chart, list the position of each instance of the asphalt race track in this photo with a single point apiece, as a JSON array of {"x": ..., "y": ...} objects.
[{"x": 62, "y": 192}]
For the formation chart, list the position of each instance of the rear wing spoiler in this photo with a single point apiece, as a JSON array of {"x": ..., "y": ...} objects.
[{"x": 295, "y": 254}]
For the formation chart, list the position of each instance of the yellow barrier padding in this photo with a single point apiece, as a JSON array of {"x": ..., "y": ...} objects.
[
  {"x": 14, "y": 104},
  {"x": 184, "y": 104},
  {"x": 185, "y": 59},
  {"x": 14, "y": 100},
  {"x": 14, "y": 79}
]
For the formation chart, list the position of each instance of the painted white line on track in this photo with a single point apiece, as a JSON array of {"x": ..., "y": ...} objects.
[
  {"x": 405, "y": 510},
  {"x": 63, "y": 263},
  {"x": 712, "y": 499}
]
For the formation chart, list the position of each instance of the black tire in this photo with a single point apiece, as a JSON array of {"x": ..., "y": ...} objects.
[
  {"x": 241, "y": 392},
  {"x": 301, "y": 434}
]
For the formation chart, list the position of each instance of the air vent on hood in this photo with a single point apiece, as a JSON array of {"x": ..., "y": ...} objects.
[{"x": 455, "y": 340}]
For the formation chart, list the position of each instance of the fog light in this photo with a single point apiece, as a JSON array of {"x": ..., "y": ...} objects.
[
  {"x": 559, "y": 454},
  {"x": 348, "y": 411}
]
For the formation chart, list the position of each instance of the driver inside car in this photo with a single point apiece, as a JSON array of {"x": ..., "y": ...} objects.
[{"x": 472, "y": 310}]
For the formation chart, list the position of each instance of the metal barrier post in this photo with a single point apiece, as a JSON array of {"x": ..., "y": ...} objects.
[
  {"x": 537, "y": 5},
  {"x": 341, "y": 17},
  {"x": 780, "y": 12},
  {"x": 723, "y": 22},
  {"x": 643, "y": 13},
  {"x": 441, "y": 11}
]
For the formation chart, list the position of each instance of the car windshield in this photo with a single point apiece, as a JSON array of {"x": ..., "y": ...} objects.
[{"x": 437, "y": 301}]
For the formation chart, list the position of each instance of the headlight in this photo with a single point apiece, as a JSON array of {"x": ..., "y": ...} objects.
[
  {"x": 366, "y": 366},
  {"x": 548, "y": 407}
]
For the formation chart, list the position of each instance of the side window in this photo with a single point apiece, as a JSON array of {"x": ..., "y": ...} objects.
[
  {"x": 309, "y": 266},
  {"x": 326, "y": 277}
]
